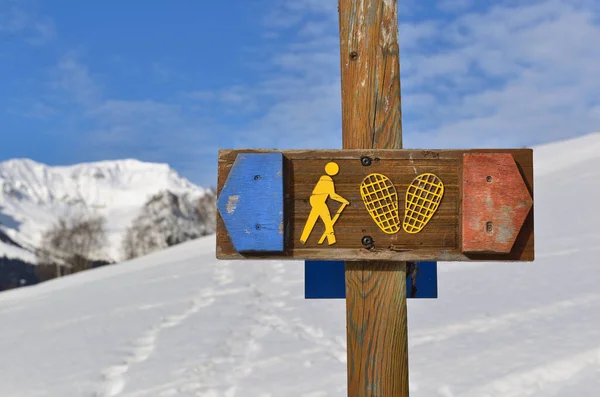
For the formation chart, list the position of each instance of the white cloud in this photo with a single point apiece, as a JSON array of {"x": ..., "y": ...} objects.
[
  {"x": 298, "y": 104},
  {"x": 413, "y": 34},
  {"x": 35, "y": 29},
  {"x": 454, "y": 5},
  {"x": 201, "y": 95},
  {"x": 74, "y": 78},
  {"x": 513, "y": 74},
  {"x": 152, "y": 130},
  {"x": 510, "y": 76}
]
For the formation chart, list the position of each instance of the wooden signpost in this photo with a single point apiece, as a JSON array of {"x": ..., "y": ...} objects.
[
  {"x": 376, "y": 205},
  {"x": 373, "y": 204}
]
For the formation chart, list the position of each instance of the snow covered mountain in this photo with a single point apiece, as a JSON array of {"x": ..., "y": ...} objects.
[
  {"x": 34, "y": 195},
  {"x": 180, "y": 323},
  {"x": 168, "y": 219}
]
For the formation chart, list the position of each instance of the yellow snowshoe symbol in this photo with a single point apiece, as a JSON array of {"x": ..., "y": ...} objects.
[
  {"x": 381, "y": 200},
  {"x": 423, "y": 198}
]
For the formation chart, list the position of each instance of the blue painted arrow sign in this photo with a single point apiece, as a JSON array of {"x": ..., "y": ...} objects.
[
  {"x": 251, "y": 203},
  {"x": 326, "y": 280}
]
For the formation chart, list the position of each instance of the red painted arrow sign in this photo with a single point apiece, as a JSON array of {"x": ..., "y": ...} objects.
[{"x": 495, "y": 203}]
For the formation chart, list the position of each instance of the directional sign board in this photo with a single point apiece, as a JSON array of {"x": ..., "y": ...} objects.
[{"x": 400, "y": 205}]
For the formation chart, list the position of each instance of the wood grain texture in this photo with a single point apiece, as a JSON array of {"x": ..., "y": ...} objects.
[
  {"x": 370, "y": 71},
  {"x": 495, "y": 203},
  {"x": 377, "y": 332},
  {"x": 377, "y": 335},
  {"x": 439, "y": 240}
]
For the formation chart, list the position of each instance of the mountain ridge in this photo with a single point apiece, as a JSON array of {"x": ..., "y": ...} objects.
[{"x": 34, "y": 195}]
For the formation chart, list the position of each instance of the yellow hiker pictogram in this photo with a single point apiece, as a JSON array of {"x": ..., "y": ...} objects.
[
  {"x": 381, "y": 200},
  {"x": 423, "y": 198},
  {"x": 324, "y": 189}
]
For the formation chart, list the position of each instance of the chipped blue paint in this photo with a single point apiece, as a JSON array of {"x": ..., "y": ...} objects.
[
  {"x": 251, "y": 203},
  {"x": 326, "y": 280}
]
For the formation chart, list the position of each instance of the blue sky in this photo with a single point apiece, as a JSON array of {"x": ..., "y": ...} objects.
[{"x": 173, "y": 82}]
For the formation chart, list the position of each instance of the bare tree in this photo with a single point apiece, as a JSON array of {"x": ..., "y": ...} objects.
[
  {"x": 169, "y": 219},
  {"x": 73, "y": 243},
  {"x": 128, "y": 245},
  {"x": 139, "y": 239},
  {"x": 206, "y": 211}
]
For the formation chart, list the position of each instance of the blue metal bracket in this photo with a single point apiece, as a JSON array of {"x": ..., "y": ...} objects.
[{"x": 326, "y": 280}]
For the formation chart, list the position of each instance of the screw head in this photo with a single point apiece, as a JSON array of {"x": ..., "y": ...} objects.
[
  {"x": 258, "y": 227},
  {"x": 367, "y": 240},
  {"x": 488, "y": 179},
  {"x": 256, "y": 177},
  {"x": 353, "y": 55},
  {"x": 365, "y": 161}
]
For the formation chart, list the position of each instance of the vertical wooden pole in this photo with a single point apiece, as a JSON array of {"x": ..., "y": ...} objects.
[{"x": 371, "y": 118}]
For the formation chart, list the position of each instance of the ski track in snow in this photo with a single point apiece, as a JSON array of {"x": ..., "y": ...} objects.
[
  {"x": 142, "y": 347},
  {"x": 539, "y": 379},
  {"x": 241, "y": 345},
  {"x": 198, "y": 379},
  {"x": 498, "y": 322}
]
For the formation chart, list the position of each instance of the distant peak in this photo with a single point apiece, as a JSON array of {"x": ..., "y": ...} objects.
[
  {"x": 22, "y": 161},
  {"x": 130, "y": 162},
  {"x": 126, "y": 163}
]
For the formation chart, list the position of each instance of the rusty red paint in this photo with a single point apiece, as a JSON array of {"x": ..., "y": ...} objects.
[{"x": 495, "y": 203}]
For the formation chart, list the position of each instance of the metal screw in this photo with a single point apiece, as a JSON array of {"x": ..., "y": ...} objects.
[
  {"x": 258, "y": 227},
  {"x": 366, "y": 161},
  {"x": 367, "y": 241},
  {"x": 489, "y": 227},
  {"x": 353, "y": 55},
  {"x": 488, "y": 179},
  {"x": 256, "y": 177}
]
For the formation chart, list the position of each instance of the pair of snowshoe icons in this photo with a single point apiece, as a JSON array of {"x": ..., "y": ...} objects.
[
  {"x": 380, "y": 198},
  {"x": 423, "y": 198}
]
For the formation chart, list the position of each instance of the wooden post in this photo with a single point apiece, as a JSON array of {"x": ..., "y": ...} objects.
[
  {"x": 482, "y": 201},
  {"x": 377, "y": 332}
]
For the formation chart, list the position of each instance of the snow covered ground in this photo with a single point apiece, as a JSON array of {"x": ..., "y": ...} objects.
[{"x": 180, "y": 323}]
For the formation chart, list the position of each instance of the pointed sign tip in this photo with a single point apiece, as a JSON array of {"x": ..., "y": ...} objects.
[
  {"x": 496, "y": 202},
  {"x": 251, "y": 203}
]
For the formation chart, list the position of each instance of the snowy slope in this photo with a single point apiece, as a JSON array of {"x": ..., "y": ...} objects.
[
  {"x": 33, "y": 196},
  {"x": 180, "y": 323}
]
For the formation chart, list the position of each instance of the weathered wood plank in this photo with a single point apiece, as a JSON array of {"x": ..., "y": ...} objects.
[
  {"x": 376, "y": 314},
  {"x": 440, "y": 239},
  {"x": 255, "y": 179},
  {"x": 370, "y": 71},
  {"x": 495, "y": 203},
  {"x": 377, "y": 336}
]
